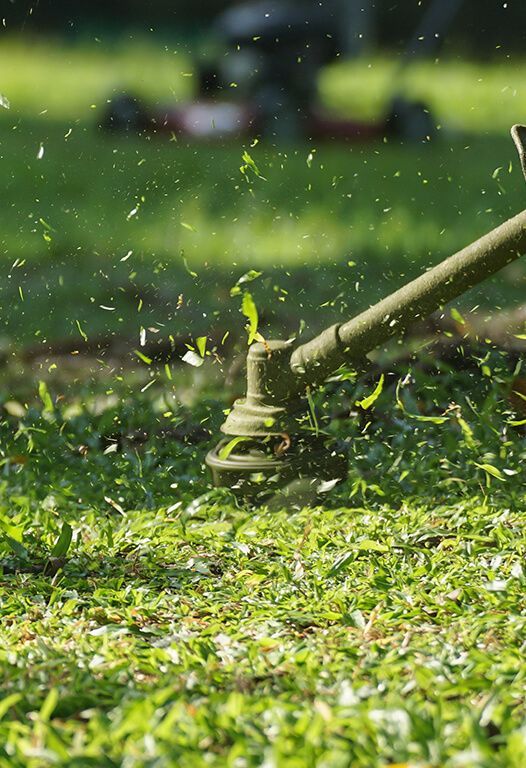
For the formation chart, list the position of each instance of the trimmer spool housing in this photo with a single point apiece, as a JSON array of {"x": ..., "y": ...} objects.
[{"x": 270, "y": 443}]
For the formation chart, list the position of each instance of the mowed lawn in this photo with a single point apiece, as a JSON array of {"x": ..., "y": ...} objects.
[
  {"x": 148, "y": 620},
  {"x": 334, "y": 226},
  {"x": 383, "y": 627}
]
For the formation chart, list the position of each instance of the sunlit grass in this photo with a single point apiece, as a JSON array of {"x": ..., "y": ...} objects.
[
  {"x": 71, "y": 82},
  {"x": 478, "y": 97}
]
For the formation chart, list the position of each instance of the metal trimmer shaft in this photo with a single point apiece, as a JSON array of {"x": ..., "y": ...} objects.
[{"x": 393, "y": 315}]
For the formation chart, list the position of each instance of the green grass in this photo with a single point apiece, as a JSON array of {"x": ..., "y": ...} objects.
[
  {"x": 68, "y": 81},
  {"x": 387, "y": 211},
  {"x": 179, "y": 626},
  {"x": 478, "y": 97},
  {"x": 383, "y": 628},
  {"x": 71, "y": 214}
]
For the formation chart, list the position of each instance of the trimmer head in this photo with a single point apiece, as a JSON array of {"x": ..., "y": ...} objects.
[
  {"x": 259, "y": 468},
  {"x": 269, "y": 446}
]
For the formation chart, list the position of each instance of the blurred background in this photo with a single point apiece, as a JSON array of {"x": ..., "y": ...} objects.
[{"x": 160, "y": 159}]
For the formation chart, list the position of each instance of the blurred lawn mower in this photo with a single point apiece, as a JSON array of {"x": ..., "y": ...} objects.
[{"x": 273, "y": 55}]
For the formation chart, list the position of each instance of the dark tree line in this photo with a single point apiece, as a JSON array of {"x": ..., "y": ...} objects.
[{"x": 479, "y": 28}]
